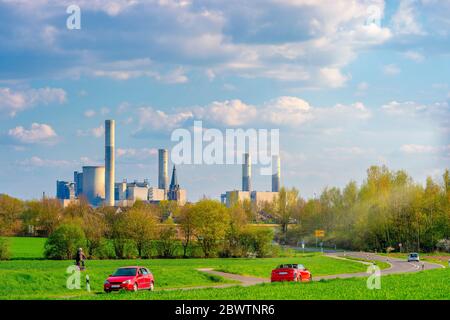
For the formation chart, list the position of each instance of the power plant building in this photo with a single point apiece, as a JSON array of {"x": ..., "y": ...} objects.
[
  {"x": 94, "y": 184},
  {"x": 163, "y": 174},
  {"x": 258, "y": 198},
  {"x": 97, "y": 183}
]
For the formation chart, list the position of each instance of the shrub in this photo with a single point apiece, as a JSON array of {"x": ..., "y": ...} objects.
[
  {"x": 104, "y": 250},
  {"x": 4, "y": 249},
  {"x": 64, "y": 241},
  {"x": 443, "y": 245}
]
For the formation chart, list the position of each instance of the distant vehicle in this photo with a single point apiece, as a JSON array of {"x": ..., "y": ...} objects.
[
  {"x": 291, "y": 272},
  {"x": 413, "y": 257},
  {"x": 130, "y": 278}
]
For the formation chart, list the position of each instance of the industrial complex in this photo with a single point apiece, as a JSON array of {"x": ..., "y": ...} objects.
[
  {"x": 97, "y": 184},
  {"x": 256, "y": 197}
]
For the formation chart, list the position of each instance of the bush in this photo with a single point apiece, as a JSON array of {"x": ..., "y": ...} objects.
[
  {"x": 443, "y": 245},
  {"x": 64, "y": 241},
  {"x": 4, "y": 249},
  {"x": 105, "y": 250}
]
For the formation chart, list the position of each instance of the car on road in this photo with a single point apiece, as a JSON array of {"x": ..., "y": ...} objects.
[
  {"x": 131, "y": 278},
  {"x": 291, "y": 272},
  {"x": 413, "y": 257}
]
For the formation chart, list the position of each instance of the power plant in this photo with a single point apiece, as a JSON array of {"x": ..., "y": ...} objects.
[
  {"x": 97, "y": 184},
  {"x": 247, "y": 194}
]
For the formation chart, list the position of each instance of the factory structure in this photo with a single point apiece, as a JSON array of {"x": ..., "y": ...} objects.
[
  {"x": 97, "y": 183},
  {"x": 256, "y": 197}
]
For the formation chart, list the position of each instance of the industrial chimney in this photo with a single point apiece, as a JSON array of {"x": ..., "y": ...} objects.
[
  {"x": 109, "y": 162},
  {"x": 247, "y": 173},
  {"x": 276, "y": 174},
  {"x": 163, "y": 176}
]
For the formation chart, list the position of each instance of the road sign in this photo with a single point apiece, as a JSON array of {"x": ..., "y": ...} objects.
[{"x": 320, "y": 233}]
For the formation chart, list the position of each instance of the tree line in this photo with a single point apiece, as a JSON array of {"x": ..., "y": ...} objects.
[
  {"x": 387, "y": 211},
  {"x": 204, "y": 229}
]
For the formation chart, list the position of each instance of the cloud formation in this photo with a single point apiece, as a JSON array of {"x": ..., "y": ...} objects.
[
  {"x": 38, "y": 133},
  {"x": 14, "y": 101}
]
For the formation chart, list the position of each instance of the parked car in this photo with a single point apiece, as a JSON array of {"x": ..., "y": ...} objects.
[
  {"x": 413, "y": 257},
  {"x": 291, "y": 272},
  {"x": 130, "y": 278}
]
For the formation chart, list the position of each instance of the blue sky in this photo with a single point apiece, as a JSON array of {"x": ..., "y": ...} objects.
[{"x": 349, "y": 84}]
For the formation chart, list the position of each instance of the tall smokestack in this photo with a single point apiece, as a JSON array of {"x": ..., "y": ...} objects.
[
  {"x": 247, "y": 173},
  {"x": 163, "y": 175},
  {"x": 276, "y": 173},
  {"x": 109, "y": 162}
]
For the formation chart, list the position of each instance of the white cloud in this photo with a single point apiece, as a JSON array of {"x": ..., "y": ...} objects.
[
  {"x": 38, "y": 133},
  {"x": 414, "y": 56},
  {"x": 156, "y": 120},
  {"x": 405, "y": 21},
  {"x": 333, "y": 77},
  {"x": 229, "y": 112},
  {"x": 391, "y": 70},
  {"x": 97, "y": 132},
  {"x": 412, "y": 108},
  {"x": 89, "y": 113},
  {"x": 424, "y": 149},
  {"x": 289, "y": 111},
  {"x": 134, "y": 153},
  {"x": 13, "y": 102},
  {"x": 282, "y": 111},
  {"x": 136, "y": 68},
  {"x": 39, "y": 162}
]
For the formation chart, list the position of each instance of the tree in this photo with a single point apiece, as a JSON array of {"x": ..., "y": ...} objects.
[
  {"x": 210, "y": 220},
  {"x": 10, "y": 211},
  {"x": 64, "y": 241},
  {"x": 185, "y": 218},
  {"x": 167, "y": 238},
  {"x": 284, "y": 207},
  {"x": 140, "y": 225},
  {"x": 46, "y": 213},
  {"x": 94, "y": 227}
]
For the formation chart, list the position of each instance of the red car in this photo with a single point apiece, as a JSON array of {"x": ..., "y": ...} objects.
[
  {"x": 291, "y": 272},
  {"x": 130, "y": 278}
]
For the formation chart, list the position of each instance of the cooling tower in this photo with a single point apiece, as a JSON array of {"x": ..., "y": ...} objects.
[
  {"x": 163, "y": 176},
  {"x": 94, "y": 184},
  {"x": 247, "y": 173},
  {"x": 109, "y": 162}
]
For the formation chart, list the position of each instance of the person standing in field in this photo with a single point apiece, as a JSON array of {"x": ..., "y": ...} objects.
[{"x": 79, "y": 258}]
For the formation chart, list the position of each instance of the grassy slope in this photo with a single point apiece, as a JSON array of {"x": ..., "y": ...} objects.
[
  {"x": 26, "y": 247},
  {"x": 432, "y": 284}
]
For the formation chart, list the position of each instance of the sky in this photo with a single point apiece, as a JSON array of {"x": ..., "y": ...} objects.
[{"x": 349, "y": 84}]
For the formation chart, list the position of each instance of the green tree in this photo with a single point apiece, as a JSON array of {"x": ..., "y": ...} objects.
[
  {"x": 10, "y": 213},
  {"x": 185, "y": 218},
  {"x": 211, "y": 221},
  {"x": 64, "y": 241}
]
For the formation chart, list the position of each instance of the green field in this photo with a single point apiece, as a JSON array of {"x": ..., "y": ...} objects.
[
  {"x": 432, "y": 284},
  {"x": 29, "y": 276},
  {"x": 46, "y": 279},
  {"x": 26, "y": 247}
]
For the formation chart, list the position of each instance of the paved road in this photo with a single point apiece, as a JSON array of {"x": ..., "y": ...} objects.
[{"x": 397, "y": 266}]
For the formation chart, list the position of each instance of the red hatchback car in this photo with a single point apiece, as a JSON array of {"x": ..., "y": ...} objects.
[
  {"x": 291, "y": 272},
  {"x": 130, "y": 278}
]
